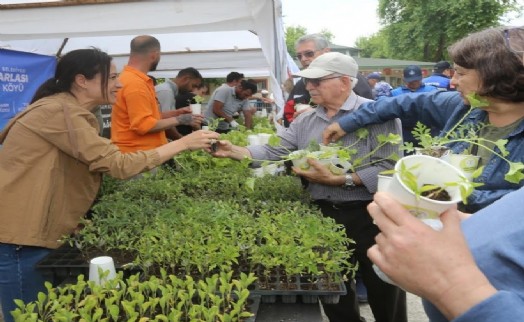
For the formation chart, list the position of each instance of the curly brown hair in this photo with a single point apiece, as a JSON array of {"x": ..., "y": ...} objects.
[{"x": 501, "y": 70}]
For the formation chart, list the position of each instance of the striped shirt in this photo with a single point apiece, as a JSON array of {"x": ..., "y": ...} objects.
[{"x": 309, "y": 127}]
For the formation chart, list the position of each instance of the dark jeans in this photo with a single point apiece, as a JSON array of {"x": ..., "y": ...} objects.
[
  {"x": 19, "y": 279},
  {"x": 387, "y": 302}
]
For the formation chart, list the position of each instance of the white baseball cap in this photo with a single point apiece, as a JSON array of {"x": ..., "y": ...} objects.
[{"x": 330, "y": 63}]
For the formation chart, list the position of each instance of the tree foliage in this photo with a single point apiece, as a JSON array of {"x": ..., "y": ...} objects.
[
  {"x": 375, "y": 46},
  {"x": 295, "y": 32},
  {"x": 422, "y": 30},
  {"x": 292, "y": 34}
]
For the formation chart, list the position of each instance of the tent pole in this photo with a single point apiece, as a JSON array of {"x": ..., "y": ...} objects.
[
  {"x": 277, "y": 54},
  {"x": 59, "y": 52}
]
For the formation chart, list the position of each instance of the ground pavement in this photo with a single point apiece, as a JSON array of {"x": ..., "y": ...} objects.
[{"x": 415, "y": 310}]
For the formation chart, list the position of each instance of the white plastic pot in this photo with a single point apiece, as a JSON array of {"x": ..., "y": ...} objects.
[
  {"x": 467, "y": 163},
  {"x": 196, "y": 109},
  {"x": 429, "y": 170}
]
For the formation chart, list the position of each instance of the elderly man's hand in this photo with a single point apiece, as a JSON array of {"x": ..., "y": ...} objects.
[
  {"x": 318, "y": 173},
  {"x": 332, "y": 133}
]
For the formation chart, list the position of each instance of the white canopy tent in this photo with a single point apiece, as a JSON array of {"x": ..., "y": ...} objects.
[{"x": 215, "y": 37}]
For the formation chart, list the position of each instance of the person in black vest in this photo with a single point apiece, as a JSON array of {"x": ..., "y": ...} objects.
[{"x": 308, "y": 48}]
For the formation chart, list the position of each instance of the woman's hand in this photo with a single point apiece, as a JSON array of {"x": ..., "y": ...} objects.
[{"x": 199, "y": 140}]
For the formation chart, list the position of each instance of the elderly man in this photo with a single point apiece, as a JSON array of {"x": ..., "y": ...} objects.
[
  {"x": 329, "y": 80},
  {"x": 308, "y": 48},
  {"x": 226, "y": 101}
]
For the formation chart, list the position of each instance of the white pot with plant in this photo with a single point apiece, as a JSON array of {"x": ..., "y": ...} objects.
[
  {"x": 196, "y": 108},
  {"x": 466, "y": 161},
  {"x": 426, "y": 186}
]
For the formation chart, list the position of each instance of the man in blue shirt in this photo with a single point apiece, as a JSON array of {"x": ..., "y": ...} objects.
[
  {"x": 441, "y": 76},
  {"x": 413, "y": 84}
]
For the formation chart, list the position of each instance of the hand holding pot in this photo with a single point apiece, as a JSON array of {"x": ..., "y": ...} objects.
[
  {"x": 435, "y": 265},
  {"x": 199, "y": 140},
  {"x": 319, "y": 173}
]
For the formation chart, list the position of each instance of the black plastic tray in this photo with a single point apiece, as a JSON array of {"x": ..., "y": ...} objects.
[
  {"x": 66, "y": 263},
  {"x": 301, "y": 288}
]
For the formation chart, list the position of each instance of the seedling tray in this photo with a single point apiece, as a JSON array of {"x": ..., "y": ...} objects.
[
  {"x": 299, "y": 287},
  {"x": 66, "y": 263}
]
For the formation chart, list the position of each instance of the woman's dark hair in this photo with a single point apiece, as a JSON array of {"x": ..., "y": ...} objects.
[
  {"x": 500, "y": 70},
  {"x": 87, "y": 62}
]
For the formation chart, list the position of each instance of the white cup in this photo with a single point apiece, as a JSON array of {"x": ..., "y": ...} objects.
[
  {"x": 263, "y": 138},
  {"x": 101, "y": 264},
  {"x": 466, "y": 162},
  {"x": 196, "y": 109},
  {"x": 205, "y": 128},
  {"x": 253, "y": 139}
]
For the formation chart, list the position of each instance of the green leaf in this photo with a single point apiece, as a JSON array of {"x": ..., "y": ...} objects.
[
  {"x": 476, "y": 100},
  {"x": 274, "y": 140},
  {"x": 362, "y": 133},
  {"x": 515, "y": 175},
  {"x": 250, "y": 184},
  {"x": 501, "y": 144}
]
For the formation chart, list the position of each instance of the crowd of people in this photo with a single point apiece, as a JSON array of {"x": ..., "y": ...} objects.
[{"x": 471, "y": 270}]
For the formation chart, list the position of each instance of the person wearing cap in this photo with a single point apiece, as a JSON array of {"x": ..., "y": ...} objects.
[
  {"x": 379, "y": 87},
  {"x": 476, "y": 271},
  {"x": 412, "y": 84},
  {"x": 308, "y": 48},
  {"x": 330, "y": 80},
  {"x": 441, "y": 77}
]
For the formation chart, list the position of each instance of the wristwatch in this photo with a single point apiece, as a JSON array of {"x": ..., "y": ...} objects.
[{"x": 349, "y": 183}]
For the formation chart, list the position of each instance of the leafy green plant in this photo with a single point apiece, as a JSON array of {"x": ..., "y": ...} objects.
[
  {"x": 412, "y": 182},
  {"x": 343, "y": 153},
  {"x": 468, "y": 133},
  {"x": 164, "y": 298},
  {"x": 198, "y": 99}
]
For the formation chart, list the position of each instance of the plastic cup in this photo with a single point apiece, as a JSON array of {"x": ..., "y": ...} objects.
[
  {"x": 263, "y": 138},
  {"x": 253, "y": 139},
  {"x": 468, "y": 163},
  {"x": 100, "y": 264},
  {"x": 339, "y": 167},
  {"x": 428, "y": 170},
  {"x": 196, "y": 109}
]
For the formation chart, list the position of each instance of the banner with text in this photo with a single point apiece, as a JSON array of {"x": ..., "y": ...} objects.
[{"x": 21, "y": 74}]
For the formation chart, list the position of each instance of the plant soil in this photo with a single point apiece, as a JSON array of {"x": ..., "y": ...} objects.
[{"x": 439, "y": 194}]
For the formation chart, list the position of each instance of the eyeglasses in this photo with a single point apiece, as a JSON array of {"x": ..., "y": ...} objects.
[
  {"x": 514, "y": 38},
  {"x": 307, "y": 54},
  {"x": 316, "y": 81}
]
